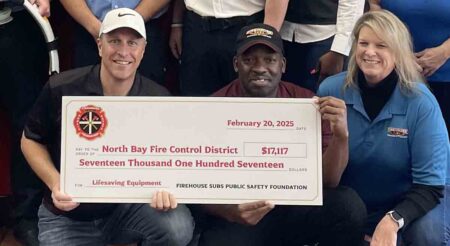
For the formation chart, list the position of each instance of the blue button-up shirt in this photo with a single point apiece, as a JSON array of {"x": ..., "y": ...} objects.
[{"x": 101, "y": 7}]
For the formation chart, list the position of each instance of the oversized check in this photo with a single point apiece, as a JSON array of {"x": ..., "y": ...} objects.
[{"x": 202, "y": 150}]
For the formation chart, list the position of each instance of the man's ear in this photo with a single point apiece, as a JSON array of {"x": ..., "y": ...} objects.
[
  {"x": 283, "y": 64},
  {"x": 235, "y": 61},
  {"x": 99, "y": 46}
]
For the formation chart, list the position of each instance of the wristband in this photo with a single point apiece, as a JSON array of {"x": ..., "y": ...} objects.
[{"x": 396, "y": 218}]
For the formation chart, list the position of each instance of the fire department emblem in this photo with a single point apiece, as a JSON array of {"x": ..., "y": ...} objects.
[{"x": 90, "y": 122}]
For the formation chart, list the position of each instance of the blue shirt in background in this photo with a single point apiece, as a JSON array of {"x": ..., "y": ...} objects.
[
  {"x": 100, "y": 8},
  {"x": 429, "y": 24}
]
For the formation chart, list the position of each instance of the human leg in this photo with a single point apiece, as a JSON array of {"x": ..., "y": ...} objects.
[
  {"x": 200, "y": 66},
  {"x": 296, "y": 71},
  {"x": 153, "y": 64},
  {"x": 338, "y": 222},
  {"x": 431, "y": 229},
  {"x": 314, "y": 51},
  {"x": 57, "y": 230},
  {"x": 208, "y": 51},
  {"x": 220, "y": 232},
  {"x": 140, "y": 223},
  {"x": 302, "y": 61},
  {"x": 85, "y": 51}
]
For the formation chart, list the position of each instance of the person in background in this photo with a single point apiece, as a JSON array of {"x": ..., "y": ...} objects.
[
  {"x": 203, "y": 35},
  {"x": 260, "y": 62},
  {"x": 316, "y": 36},
  {"x": 89, "y": 15},
  {"x": 399, "y": 147},
  {"x": 429, "y": 24},
  {"x": 23, "y": 71},
  {"x": 121, "y": 45}
]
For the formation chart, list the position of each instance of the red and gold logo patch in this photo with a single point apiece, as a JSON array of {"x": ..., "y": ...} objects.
[
  {"x": 90, "y": 122},
  {"x": 259, "y": 32},
  {"x": 397, "y": 132}
]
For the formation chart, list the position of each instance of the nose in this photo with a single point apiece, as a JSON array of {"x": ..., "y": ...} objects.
[
  {"x": 122, "y": 50},
  {"x": 370, "y": 50},
  {"x": 258, "y": 66}
]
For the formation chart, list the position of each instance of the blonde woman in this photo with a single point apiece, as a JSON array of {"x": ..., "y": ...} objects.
[{"x": 398, "y": 142}]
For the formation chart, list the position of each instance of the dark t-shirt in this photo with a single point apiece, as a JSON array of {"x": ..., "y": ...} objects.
[
  {"x": 44, "y": 122},
  {"x": 285, "y": 90}
]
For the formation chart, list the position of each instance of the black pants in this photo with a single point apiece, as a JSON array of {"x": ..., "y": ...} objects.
[
  {"x": 338, "y": 222},
  {"x": 23, "y": 71},
  {"x": 208, "y": 49},
  {"x": 301, "y": 59}
]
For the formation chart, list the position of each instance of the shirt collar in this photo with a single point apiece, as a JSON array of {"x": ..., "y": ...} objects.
[
  {"x": 396, "y": 105},
  {"x": 93, "y": 84}
]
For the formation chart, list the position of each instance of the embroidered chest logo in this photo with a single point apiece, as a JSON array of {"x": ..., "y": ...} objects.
[
  {"x": 90, "y": 122},
  {"x": 397, "y": 132}
]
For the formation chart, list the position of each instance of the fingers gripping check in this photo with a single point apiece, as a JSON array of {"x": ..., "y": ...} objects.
[{"x": 334, "y": 110}]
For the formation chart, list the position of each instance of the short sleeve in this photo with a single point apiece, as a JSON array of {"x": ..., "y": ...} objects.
[
  {"x": 39, "y": 119},
  {"x": 429, "y": 143}
]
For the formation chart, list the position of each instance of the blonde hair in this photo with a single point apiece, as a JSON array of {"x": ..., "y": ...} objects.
[{"x": 396, "y": 36}]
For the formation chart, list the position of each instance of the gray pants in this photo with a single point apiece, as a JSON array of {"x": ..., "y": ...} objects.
[{"x": 129, "y": 223}]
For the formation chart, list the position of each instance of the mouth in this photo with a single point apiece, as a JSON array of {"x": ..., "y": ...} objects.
[
  {"x": 370, "y": 61},
  {"x": 120, "y": 62},
  {"x": 260, "y": 81}
]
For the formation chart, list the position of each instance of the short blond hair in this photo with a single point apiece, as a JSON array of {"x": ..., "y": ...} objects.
[{"x": 396, "y": 36}]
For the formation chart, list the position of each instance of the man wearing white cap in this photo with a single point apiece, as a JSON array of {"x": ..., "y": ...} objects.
[
  {"x": 89, "y": 14},
  {"x": 121, "y": 46}
]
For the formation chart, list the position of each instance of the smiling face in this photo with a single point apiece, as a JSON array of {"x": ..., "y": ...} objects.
[
  {"x": 259, "y": 70},
  {"x": 121, "y": 51},
  {"x": 373, "y": 56}
]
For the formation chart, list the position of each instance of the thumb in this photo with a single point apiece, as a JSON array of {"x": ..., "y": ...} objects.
[
  {"x": 179, "y": 49},
  {"x": 174, "y": 50},
  {"x": 60, "y": 196},
  {"x": 316, "y": 69},
  {"x": 420, "y": 53}
]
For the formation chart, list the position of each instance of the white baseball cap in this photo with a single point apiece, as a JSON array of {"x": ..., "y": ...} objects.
[{"x": 123, "y": 17}]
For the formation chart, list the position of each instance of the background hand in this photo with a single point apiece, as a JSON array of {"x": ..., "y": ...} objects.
[
  {"x": 43, "y": 6},
  {"x": 175, "y": 39},
  {"x": 329, "y": 64},
  {"x": 249, "y": 213},
  {"x": 431, "y": 59}
]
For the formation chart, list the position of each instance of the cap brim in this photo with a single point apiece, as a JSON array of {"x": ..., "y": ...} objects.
[
  {"x": 249, "y": 44},
  {"x": 122, "y": 25}
]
